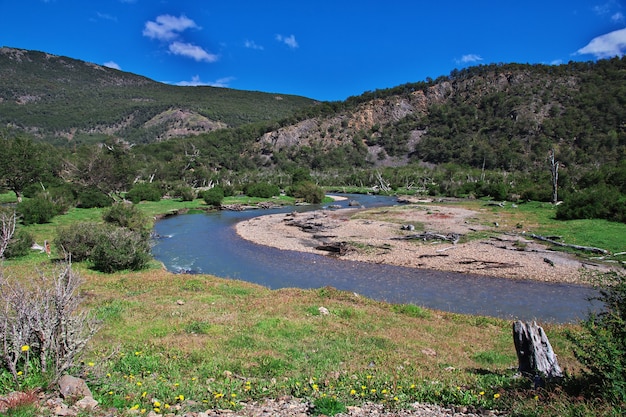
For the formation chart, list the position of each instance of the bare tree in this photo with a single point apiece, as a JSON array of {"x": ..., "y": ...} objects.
[
  {"x": 8, "y": 219},
  {"x": 554, "y": 170},
  {"x": 42, "y": 321}
]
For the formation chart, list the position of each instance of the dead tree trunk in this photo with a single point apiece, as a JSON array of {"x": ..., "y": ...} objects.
[
  {"x": 554, "y": 170},
  {"x": 534, "y": 352}
]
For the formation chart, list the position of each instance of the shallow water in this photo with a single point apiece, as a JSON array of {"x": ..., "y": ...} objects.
[{"x": 208, "y": 244}]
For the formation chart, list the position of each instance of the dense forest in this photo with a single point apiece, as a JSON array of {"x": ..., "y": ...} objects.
[{"x": 485, "y": 131}]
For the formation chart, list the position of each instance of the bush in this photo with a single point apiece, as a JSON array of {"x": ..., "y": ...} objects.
[
  {"x": 91, "y": 198},
  {"x": 308, "y": 192},
  {"x": 36, "y": 210},
  {"x": 19, "y": 245},
  {"x": 144, "y": 192},
  {"x": 214, "y": 196},
  {"x": 79, "y": 239},
  {"x": 185, "y": 193},
  {"x": 126, "y": 215},
  {"x": 601, "y": 345},
  {"x": 119, "y": 249},
  {"x": 41, "y": 326},
  {"x": 261, "y": 189},
  {"x": 600, "y": 202}
]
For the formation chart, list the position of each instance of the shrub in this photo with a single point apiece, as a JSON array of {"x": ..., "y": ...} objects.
[
  {"x": 144, "y": 192},
  {"x": 599, "y": 202},
  {"x": 36, "y": 210},
  {"x": 308, "y": 192},
  {"x": 79, "y": 239},
  {"x": 261, "y": 189},
  {"x": 214, "y": 196},
  {"x": 120, "y": 248},
  {"x": 601, "y": 345},
  {"x": 91, "y": 198},
  {"x": 185, "y": 193},
  {"x": 19, "y": 245},
  {"x": 41, "y": 324},
  {"x": 126, "y": 215}
]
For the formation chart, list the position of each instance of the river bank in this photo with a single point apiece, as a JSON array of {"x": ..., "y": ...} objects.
[{"x": 385, "y": 236}]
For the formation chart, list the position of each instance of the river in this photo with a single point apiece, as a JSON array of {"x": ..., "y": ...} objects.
[{"x": 208, "y": 244}]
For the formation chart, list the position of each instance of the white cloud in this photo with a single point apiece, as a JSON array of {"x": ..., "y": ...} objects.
[
  {"x": 167, "y": 27},
  {"x": 290, "y": 40},
  {"x": 191, "y": 51},
  {"x": 112, "y": 64},
  {"x": 253, "y": 45},
  {"x": 195, "y": 81},
  {"x": 606, "y": 46},
  {"x": 105, "y": 16},
  {"x": 617, "y": 17},
  {"x": 469, "y": 58}
]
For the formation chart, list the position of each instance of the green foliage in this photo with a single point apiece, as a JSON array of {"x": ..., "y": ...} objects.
[
  {"x": 599, "y": 202},
  {"x": 126, "y": 215},
  {"x": 144, "y": 192},
  {"x": 37, "y": 210},
  {"x": 601, "y": 345},
  {"x": 21, "y": 162},
  {"x": 328, "y": 406},
  {"x": 120, "y": 248},
  {"x": 19, "y": 245},
  {"x": 90, "y": 198},
  {"x": 261, "y": 189},
  {"x": 411, "y": 310},
  {"x": 78, "y": 239},
  {"x": 214, "y": 196},
  {"x": 601, "y": 195},
  {"x": 307, "y": 191},
  {"x": 185, "y": 193}
]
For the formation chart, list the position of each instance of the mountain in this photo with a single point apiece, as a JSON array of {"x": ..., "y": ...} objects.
[
  {"x": 60, "y": 99},
  {"x": 504, "y": 116}
]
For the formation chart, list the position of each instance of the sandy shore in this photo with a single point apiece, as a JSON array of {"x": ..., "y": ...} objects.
[{"x": 377, "y": 236}]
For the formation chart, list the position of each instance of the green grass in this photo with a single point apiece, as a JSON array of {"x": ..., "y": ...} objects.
[{"x": 230, "y": 342}]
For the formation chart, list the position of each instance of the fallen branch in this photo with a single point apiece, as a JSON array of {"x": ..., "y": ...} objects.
[
  {"x": 577, "y": 247},
  {"x": 450, "y": 237},
  {"x": 488, "y": 264}
]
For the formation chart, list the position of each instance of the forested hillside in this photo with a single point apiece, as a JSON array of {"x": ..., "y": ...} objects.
[
  {"x": 484, "y": 131},
  {"x": 61, "y": 100}
]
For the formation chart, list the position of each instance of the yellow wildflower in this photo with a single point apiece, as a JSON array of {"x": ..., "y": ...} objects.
[
  {"x": 25, "y": 348},
  {"x": 496, "y": 396}
]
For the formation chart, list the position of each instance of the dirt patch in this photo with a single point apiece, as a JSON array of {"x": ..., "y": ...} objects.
[{"x": 402, "y": 235}]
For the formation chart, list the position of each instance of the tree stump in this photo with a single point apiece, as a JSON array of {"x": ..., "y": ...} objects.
[{"x": 534, "y": 352}]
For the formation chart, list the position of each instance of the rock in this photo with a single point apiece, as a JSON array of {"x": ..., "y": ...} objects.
[
  {"x": 87, "y": 403},
  {"x": 72, "y": 387},
  {"x": 323, "y": 311},
  {"x": 429, "y": 352}
]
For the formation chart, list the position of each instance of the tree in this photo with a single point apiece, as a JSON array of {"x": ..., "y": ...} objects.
[
  {"x": 21, "y": 163},
  {"x": 554, "y": 170}
]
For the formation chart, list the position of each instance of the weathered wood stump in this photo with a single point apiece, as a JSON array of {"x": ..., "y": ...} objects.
[{"x": 536, "y": 358}]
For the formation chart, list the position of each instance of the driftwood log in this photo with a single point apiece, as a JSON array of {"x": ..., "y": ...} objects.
[
  {"x": 565, "y": 245},
  {"x": 536, "y": 358},
  {"x": 339, "y": 248},
  {"x": 450, "y": 237}
]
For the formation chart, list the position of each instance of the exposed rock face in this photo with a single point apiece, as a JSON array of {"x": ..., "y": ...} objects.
[
  {"x": 370, "y": 118},
  {"x": 178, "y": 123}
]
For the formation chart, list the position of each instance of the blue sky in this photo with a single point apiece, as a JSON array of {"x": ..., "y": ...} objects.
[{"x": 322, "y": 49}]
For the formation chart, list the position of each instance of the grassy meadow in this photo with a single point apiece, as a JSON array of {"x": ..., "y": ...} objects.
[{"x": 175, "y": 343}]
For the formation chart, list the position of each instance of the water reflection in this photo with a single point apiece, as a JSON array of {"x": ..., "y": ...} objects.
[{"x": 207, "y": 243}]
